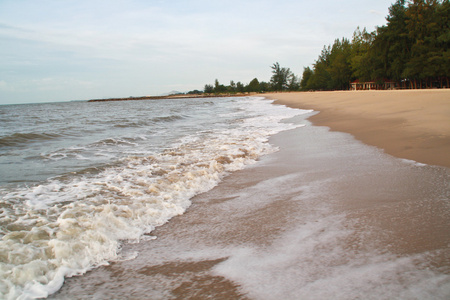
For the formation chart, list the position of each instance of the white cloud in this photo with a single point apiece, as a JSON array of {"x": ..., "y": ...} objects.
[{"x": 150, "y": 46}]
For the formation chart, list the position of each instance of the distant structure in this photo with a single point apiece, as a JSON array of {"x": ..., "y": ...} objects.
[{"x": 372, "y": 85}]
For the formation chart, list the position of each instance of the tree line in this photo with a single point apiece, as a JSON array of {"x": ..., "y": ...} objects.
[
  {"x": 412, "y": 50},
  {"x": 283, "y": 79}
]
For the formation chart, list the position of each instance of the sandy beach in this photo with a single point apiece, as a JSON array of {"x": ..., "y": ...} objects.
[
  {"x": 325, "y": 217},
  {"x": 411, "y": 124}
]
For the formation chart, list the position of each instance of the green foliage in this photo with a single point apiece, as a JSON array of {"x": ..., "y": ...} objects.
[
  {"x": 280, "y": 77},
  {"x": 219, "y": 88},
  {"x": 412, "y": 48},
  {"x": 240, "y": 88},
  {"x": 293, "y": 83},
  {"x": 253, "y": 87},
  {"x": 307, "y": 74},
  {"x": 264, "y": 87},
  {"x": 194, "y": 92},
  {"x": 209, "y": 89},
  {"x": 360, "y": 62},
  {"x": 339, "y": 65}
]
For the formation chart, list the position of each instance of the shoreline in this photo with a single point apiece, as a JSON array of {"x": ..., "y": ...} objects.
[
  {"x": 324, "y": 217},
  {"x": 409, "y": 124}
]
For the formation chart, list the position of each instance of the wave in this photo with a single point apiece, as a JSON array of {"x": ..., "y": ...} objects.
[
  {"x": 79, "y": 223},
  {"x": 21, "y": 139},
  {"x": 167, "y": 118},
  {"x": 106, "y": 148},
  {"x": 71, "y": 224},
  {"x": 115, "y": 142},
  {"x": 131, "y": 124}
]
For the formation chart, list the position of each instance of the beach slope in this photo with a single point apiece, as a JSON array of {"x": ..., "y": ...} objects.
[{"x": 410, "y": 124}]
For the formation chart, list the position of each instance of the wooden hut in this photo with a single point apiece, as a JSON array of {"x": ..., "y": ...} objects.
[{"x": 372, "y": 85}]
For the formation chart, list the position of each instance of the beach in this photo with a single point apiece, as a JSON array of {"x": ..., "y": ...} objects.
[
  {"x": 412, "y": 124},
  {"x": 325, "y": 217}
]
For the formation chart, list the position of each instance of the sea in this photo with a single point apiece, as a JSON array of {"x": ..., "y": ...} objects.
[
  {"x": 78, "y": 180},
  {"x": 212, "y": 198}
]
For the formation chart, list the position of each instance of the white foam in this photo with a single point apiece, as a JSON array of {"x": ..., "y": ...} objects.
[
  {"x": 67, "y": 226},
  {"x": 314, "y": 261},
  {"x": 413, "y": 162}
]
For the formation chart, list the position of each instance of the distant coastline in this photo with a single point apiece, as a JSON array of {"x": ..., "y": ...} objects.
[{"x": 181, "y": 96}]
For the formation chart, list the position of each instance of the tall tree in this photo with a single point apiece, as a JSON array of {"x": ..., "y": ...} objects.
[
  {"x": 418, "y": 15},
  {"x": 264, "y": 86},
  {"x": 253, "y": 86},
  {"x": 414, "y": 47},
  {"x": 293, "y": 83},
  {"x": 232, "y": 87},
  {"x": 219, "y": 88},
  {"x": 393, "y": 43},
  {"x": 321, "y": 79},
  {"x": 360, "y": 62},
  {"x": 442, "y": 56},
  {"x": 280, "y": 77},
  {"x": 339, "y": 65},
  {"x": 240, "y": 88},
  {"x": 307, "y": 74},
  {"x": 209, "y": 89}
]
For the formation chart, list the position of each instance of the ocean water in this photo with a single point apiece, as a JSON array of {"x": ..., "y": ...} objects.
[
  {"x": 80, "y": 180},
  {"x": 324, "y": 217}
]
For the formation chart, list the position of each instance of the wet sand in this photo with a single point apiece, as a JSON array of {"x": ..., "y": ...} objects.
[
  {"x": 411, "y": 124},
  {"x": 325, "y": 217}
]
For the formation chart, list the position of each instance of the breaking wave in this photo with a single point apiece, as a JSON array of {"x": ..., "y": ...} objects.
[{"x": 77, "y": 221}]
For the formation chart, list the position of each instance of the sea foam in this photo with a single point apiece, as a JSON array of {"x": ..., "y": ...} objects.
[{"x": 70, "y": 224}]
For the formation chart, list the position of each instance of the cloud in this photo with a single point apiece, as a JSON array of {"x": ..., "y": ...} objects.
[{"x": 130, "y": 47}]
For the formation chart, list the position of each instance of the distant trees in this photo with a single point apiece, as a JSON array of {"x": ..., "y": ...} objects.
[
  {"x": 253, "y": 86},
  {"x": 194, "y": 92},
  {"x": 240, "y": 88},
  {"x": 209, "y": 89},
  {"x": 219, "y": 88},
  {"x": 282, "y": 79},
  {"x": 413, "y": 49}
]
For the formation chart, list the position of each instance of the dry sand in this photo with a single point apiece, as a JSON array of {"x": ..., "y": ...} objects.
[{"x": 411, "y": 124}]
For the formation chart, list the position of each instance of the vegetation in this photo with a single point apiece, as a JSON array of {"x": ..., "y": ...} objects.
[
  {"x": 282, "y": 80},
  {"x": 411, "y": 51}
]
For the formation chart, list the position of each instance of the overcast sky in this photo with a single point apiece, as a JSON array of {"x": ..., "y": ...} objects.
[{"x": 60, "y": 50}]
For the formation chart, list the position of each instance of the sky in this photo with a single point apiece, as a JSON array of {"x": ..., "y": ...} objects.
[{"x": 62, "y": 50}]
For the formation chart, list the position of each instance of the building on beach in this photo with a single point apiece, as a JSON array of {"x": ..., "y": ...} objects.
[{"x": 372, "y": 85}]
